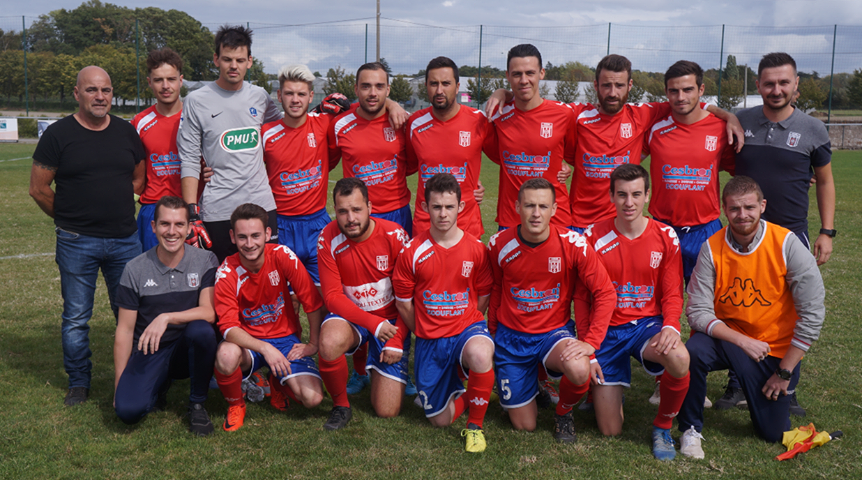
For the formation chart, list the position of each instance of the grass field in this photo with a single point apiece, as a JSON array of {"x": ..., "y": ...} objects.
[{"x": 39, "y": 438}]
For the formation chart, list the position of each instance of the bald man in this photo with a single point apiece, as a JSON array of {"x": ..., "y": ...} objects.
[{"x": 95, "y": 160}]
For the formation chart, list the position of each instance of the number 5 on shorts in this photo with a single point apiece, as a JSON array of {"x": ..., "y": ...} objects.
[{"x": 504, "y": 386}]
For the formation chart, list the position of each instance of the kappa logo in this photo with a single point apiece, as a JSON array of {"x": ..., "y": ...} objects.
[
  {"x": 748, "y": 133},
  {"x": 478, "y": 401},
  {"x": 711, "y": 143},
  {"x": 150, "y": 283},
  {"x": 466, "y": 268},
  {"x": 382, "y": 262},
  {"x": 555, "y": 264},
  {"x": 464, "y": 139},
  {"x": 389, "y": 134},
  {"x": 655, "y": 259},
  {"x": 402, "y": 237},
  {"x": 311, "y": 141},
  {"x": 193, "y": 280},
  {"x": 547, "y": 130},
  {"x": 222, "y": 271},
  {"x": 743, "y": 293},
  {"x": 793, "y": 139},
  {"x": 626, "y": 130},
  {"x": 274, "y": 279}
]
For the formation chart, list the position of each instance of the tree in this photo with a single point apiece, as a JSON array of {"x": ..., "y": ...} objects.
[
  {"x": 854, "y": 89},
  {"x": 810, "y": 95},
  {"x": 591, "y": 94},
  {"x": 731, "y": 94},
  {"x": 566, "y": 91},
  {"x": 400, "y": 89},
  {"x": 10, "y": 40},
  {"x": 385, "y": 66},
  {"x": 257, "y": 76},
  {"x": 731, "y": 71},
  {"x": 337, "y": 81},
  {"x": 544, "y": 90}
]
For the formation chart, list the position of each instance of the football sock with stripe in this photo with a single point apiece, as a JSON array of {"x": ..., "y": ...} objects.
[
  {"x": 673, "y": 392},
  {"x": 230, "y": 386},
  {"x": 479, "y": 386},
  {"x": 570, "y": 394}
]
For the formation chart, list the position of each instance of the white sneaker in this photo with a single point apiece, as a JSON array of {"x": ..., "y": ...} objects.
[
  {"x": 707, "y": 403},
  {"x": 655, "y": 399},
  {"x": 690, "y": 444}
]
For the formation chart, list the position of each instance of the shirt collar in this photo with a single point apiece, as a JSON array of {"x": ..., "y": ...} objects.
[
  {"x": 754, "y": 241},
  {"x": 164, "y": 269}
]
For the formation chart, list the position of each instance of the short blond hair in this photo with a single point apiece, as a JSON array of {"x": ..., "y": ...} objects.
[{"x": 296, "y": 73}]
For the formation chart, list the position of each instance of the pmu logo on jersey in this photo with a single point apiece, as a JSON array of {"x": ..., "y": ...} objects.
[
  {"x": 711, "y": 143},
  {"x": 389, "y": 134},
  {"x": 466, "y": 268},
  {"x": 547, "y": 130},
  {"x": 743, "y": 294},
  {"x": 654, "y": 259},
  {"x": 193, "y": 280},
  {"x": 253, "y": 112},
  {"x": 555, "y": 264},
  {"x": 240, "y": 139},
  {"x": 382, "y": 262},
  {"x": 793, "y": 139},
  {"x": 273, "y": 278},
  {"x": 464, "y": 139},
  {"x": 626, "y": 130},
  {"x": 311, "y": 141}
]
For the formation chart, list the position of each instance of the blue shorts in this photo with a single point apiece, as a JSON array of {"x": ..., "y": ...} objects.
[
  {"x": 691, "y": 240},
  {"x": 397, "y": 372},
  {"x": 401, "y": 216},
  {"x": 516, "y": 358},
  {"x": 145, "y": 227},
  {"x": 300, "y": 233},
  {"x": 624, "y": 341},
  {"x": 435, "y": 363},
  {"x": 303, "y": 366}
]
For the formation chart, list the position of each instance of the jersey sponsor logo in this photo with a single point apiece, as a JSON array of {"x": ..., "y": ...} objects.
[
  {"x": 547, "y": 130},
  {"x": 466, "y": 268},
  {"x": 252, "y": 111},
  {"x": 601, "y": 165},
  {"x": 267, "y": 313},
  {"x": 524, "y": 165},
  {"x": 633, "y": 296},
  {"x": 555, "y": 264},
  {"x": 428, "y": 171},
  {"x": 389, "y": 134},
  {"x": 445, "y": 304},
  {"x": 150, "y": 283},
  {"x": 165, "y": 165},
  {"x": 311, "y": 141},
  {"x": 626, "y": 130},
  {"x": 240, "y": 139},
  {"x": 374, "y": 173},
  {"x": 793, "y": 139},
  {"x": 743, "y": 294},
  {"x": 382, "y": 262},
  {"x": 301, "y": 180},
  {"x": 655, "y": 259},
  {"x": 193, "y": 280},
  {"x": 464, "y": 139},
  {"x": 711, "y": 143},
  {"x": 533, "y": 300},
  {"x": 371, "y": 296},
  {"x": 274, "y": 278}
]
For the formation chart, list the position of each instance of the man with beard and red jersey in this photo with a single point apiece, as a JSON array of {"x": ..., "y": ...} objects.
[
  {"x": 259, "y": 326},
  {"x": 442, "y": 282},
  {"x": 448, "y": 138},
  {"x": 535, "y": 266},
  {"x": 643, "y": 259},
  {"x": 357, "y": 255}
]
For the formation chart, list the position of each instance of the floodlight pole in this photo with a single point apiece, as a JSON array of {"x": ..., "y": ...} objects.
[
  {"x": 745, "y": 94},
  {"x": 378, "y": 30},
  {"x": 24, "y": 47},
  {"x": 137, "y": 69},
  {"x": 720, "y": 60},
  {"x": 832, "y": 78}
]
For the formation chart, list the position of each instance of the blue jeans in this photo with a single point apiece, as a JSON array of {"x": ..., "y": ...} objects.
[{"x": 80, "y": 257}]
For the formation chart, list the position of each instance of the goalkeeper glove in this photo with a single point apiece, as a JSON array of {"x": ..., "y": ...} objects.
[
  {"x": 198, "y": 236},
  {"x": 334, "y": 103}
]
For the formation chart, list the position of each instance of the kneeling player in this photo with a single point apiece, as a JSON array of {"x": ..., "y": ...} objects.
[
  {"x": 357, "y": 256},
  {"x": 252, "y": 287},
  {"x": 447, "y": 271},
  {"x": 535, "y": 266},
  {"x": 643, "y": 259}
]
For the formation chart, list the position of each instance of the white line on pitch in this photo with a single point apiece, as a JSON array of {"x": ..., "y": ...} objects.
[
  {"x": 27, "y": 255},
  {"x": 15, "y": 159}
]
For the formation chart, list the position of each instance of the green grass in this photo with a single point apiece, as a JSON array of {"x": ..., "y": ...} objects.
[{"x": 39, "y": 438}]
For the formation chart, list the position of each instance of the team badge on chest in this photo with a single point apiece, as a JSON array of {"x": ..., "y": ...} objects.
[
  {"x": 466, "y": 268},
  {"x": 274, "y": 278},
  {"x": 555, "y": 264},
  {"x": 464, "y": 139},
  {"x": 382, "y": 262},
  {"x": 793, "y": 139},
  {"x": 311, "y": 141},
  {"x": 389, "y": 134},
  {"x": 626, "y": 130},
  {"x": 711, "y": 143},
  {"x": 654, "y": 259},
  {"x": 547, "y": 130},
  {"x": 193, "y": 280}
]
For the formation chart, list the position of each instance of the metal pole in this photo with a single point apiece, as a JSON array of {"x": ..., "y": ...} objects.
[
  {"x": 745, "y": 90},
  {"x": 378, "y": 30},
  {"x": 720, "y": 59},
  {"x": 26, "y": 83},
  {"x": 831, "y": 79},
  {"x": 479, "y": 77},
  {"x": 137, "y": 67},
  {"x": 609, "y": 39},
  {"x": 366, "y": 43}
]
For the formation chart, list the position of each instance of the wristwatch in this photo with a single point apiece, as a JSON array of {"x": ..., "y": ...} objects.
[
  {"x": 826, "y": 231},
  {"x": 783, "y": 373}
]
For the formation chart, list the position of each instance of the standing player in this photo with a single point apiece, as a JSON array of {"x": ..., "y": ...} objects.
[
  {"x": 643, "y": 259},
  {"x": 221, "y": 124},
  {"x": 357, "y": 255},
  {"x": 444, "y": 306},
  {"x": 432, "y": 134},
  {"x": 259, "y": 326},
  {"x": 535, "y": 266}
]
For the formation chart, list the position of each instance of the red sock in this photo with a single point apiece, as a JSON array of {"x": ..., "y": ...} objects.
[
  {"x": 334, "y": 375},
  {"x": 460, "y": 406},
  {"x": 284, "y": 389},
  {"x": 570, "y": 394},
  {"x": 359, "y": 359},
  {"x": 230, "y": 386},
  {"x": 673, "y": 392},
  {"x": 543, "y": 375},
  {"x": 479, "y": 387}
]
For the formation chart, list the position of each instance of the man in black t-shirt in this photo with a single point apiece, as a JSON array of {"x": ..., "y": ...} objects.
[{"x": 95, "y": 161}]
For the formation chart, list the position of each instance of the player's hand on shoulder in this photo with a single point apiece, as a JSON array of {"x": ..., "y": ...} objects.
[
  {"x": 301, "y": 350},
  {"x": 391, "y": 357},
  {"x": 148, "y": 343},
  {"x": 495, "y": 102},
  {"x": 397, "y": 115},
  {"x": 334, "y": 104},
  {"x": 386, "y": 331},
  {"x": 734, "y": 129}
]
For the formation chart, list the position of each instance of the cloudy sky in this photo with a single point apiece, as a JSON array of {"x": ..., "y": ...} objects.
[{"x": 653, "y": 34}]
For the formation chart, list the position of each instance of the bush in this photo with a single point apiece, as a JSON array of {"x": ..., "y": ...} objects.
[{"x": 27, "y": 128}]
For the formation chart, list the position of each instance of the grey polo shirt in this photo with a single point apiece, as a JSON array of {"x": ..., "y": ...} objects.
[
  {"x": 781, "y": 158},
  {"x": 151, "y": 288}
]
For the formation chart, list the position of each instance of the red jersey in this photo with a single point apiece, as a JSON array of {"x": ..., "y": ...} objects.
[
  {"x": 684, "y": 165},
  {"x": 530, "y": 145},
  {"x": 646, "y": 272},
  {"x": 356, "y": 277},
  {"x": 375, "y": 153},
  {"x": 454, "y": 146},
  {"x": 444, "y": 284},
  {"x": 533, "y": 286},
  {"x": 159, "y": 135},
  {"x": 297, "y": 164},
  {"x": 255, "y": 302},
  {"x": 604, "y": 143}
]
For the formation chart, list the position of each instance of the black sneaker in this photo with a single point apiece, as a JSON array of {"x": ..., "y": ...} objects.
[
  {"x": 543, "y": 399},
  {"x": 76, "y": 395},
  {"x": 338, "y": 418},
  {"x": 199, "y": 421},
  {"x": 732, "y": 397},
  {"x": 795, "y": 409},
  {"x": 564, "y": 428}
]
